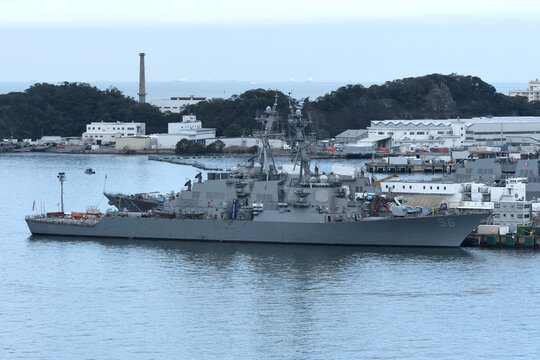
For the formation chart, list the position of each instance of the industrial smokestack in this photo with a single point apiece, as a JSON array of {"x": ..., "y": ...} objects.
[{"x": 142, "y": 85}]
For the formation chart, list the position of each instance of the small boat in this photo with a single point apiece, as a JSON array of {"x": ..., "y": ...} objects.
[{"x": 89, "y": 171}]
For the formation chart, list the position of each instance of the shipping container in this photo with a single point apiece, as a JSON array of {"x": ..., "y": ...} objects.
[{"x": 488, "y": 229}]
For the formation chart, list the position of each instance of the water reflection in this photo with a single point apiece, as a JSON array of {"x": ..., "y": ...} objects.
[{"x": 298, "y": 256}]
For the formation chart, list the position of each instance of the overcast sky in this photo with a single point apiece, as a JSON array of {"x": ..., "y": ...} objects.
[{"x": 278, "y": 40}]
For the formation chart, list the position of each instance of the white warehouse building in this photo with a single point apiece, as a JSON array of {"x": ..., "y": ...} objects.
[
  {"x": 190, "y": 128},
  {"x": 108, "y": 132},
  {"x": 456, "y": 133},
  {"x": 176, "y": 104},
  {"x": 422, "y": 133}
]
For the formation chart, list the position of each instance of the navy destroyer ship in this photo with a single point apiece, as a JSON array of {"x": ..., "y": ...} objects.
[{"x": 255, "y": 202}]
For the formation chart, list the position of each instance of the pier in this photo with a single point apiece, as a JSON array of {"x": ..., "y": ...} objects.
[
  {"x": 183, "y": 161},
  {"x": 430, "y": 168},
  {"x": 506, "y": 241}
]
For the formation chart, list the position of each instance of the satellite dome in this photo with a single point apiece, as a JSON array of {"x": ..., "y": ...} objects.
[
  {"x": 298, "y": 112},
  {"x": 323, "y": 178},
  {"x": 268, "y": 108}
]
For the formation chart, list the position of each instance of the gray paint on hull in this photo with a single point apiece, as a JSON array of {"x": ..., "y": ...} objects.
[{"x": 446, "y": 231}]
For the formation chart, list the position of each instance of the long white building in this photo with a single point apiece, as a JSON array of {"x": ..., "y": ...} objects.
[
  {"x": 455, "y": 133},
  {"x": 108, "y": 132},
  {"x": 176, "y": 104},
  {"x": 421, "y": 133},
  {"x": 532, "y": 93}
]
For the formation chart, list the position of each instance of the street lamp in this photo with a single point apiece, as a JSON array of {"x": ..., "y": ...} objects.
[{"x": 62, "y": 177}]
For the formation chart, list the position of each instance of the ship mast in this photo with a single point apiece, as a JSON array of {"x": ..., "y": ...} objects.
[
  {"x": 62, "y": 177},
  {"x": 268, "y": 120},
  {"x": 300, "y": 140}
]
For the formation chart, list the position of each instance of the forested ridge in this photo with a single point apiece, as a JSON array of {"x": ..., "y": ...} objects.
[{"x": 66, "y": 108}]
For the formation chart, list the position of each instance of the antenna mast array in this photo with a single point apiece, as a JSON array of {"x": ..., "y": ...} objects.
[
  {"x": 62, "y": 177},
  {"x": 300, "y": 140}
]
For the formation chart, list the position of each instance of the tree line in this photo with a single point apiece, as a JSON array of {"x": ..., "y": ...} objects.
[{"x": 66, "y": 108}]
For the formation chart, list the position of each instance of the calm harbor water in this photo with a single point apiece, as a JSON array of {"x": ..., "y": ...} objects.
[{"x": 70, "y": 298}]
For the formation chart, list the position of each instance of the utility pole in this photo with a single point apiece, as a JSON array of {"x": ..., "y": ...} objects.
[{"x": 62, "y": 177}]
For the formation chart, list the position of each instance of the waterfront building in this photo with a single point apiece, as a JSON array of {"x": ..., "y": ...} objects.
[
  {"x": 351, "y": 136},
  {"x": 412, "y": 134},
  {"x": 189, "y": 128},
  {"x": 458, "y": 133},
  {"x": 532, "y": 93},
  {"x": 176, "y": 104},
  {"x": 511, "y": 213},
  {"x": 108, "y": 132}
]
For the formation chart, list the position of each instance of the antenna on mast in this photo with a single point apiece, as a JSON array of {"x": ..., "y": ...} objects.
[{"x": 62, "y": 177}]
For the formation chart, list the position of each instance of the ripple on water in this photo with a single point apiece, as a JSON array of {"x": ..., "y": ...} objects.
[{"x": 68, "y": 298}]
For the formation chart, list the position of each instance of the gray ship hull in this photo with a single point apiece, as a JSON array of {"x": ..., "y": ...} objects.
[{"x": 437, "y": 231}]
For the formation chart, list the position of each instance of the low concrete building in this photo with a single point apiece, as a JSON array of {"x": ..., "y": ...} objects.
[
  {"x": 370, "y": 144},
  {"x": 351, "y": 136},
  {"x": 169, "y": 141},
  {"x": 108, "y": 132},
  {"x": 133, "y": 143}
]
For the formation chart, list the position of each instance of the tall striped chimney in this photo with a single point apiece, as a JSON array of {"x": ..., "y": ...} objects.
[{"x": 142, "y": 85}]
